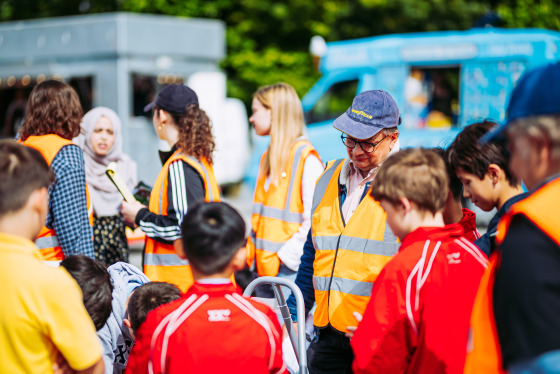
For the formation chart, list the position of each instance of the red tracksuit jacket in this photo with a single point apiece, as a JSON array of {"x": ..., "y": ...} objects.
[
  {"x": 468, "y": 222},
  {"x": 418, "y": 318},
  {"x": 211, "y": 329}
]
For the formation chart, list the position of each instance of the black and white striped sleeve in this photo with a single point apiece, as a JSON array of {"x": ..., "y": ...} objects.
[{"x": 184, "y": 188}]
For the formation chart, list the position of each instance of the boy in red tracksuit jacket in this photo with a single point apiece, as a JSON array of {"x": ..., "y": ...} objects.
[
  {"x": 453, "y": 212},
  {"x": 418, "y": 317},
  {"x": 212, "y": 328}
]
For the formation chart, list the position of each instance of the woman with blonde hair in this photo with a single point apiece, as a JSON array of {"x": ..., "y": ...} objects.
[
  {"x": 283, "y": 194},
  {"x": 186, "y": 178}
]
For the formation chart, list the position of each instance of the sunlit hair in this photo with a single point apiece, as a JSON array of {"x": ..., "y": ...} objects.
[
  {"x": 286, "y": 126},
  {"x": 195, "y": 132},
  {"x": 543, "y": 129},
  {"x": 53, "y": 108},
  {"x": 417, "y": 174}
]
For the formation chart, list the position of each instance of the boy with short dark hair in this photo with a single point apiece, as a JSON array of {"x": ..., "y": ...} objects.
[
  {"x": 418, "y": 317},
  {"x": 487, "y": 181},
  {"x": 212, "y": 328},
  {"x": 146, "y": 298},
  {"x": 95, "y": 282},
  {"x": 106, "y": 292},
  {"x": 41, "y": 313},
  {"x": 453, "y": 211}
]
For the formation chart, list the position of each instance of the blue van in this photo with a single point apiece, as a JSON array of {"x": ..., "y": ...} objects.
[{"x": 441, "y": 81}]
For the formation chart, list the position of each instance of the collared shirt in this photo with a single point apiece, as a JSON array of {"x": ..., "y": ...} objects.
[
  {"x": 355, "y": 189},
  {"x": 42, "y": 313},
  {"x": 68, "y": 214},
  {"x": 356, "y": 185}
]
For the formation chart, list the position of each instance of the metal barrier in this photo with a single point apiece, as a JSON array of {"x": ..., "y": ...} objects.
[{"x": 298, "y": 340}]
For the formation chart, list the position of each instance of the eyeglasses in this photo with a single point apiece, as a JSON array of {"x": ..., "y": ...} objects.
[{"x": 366, "y": 147}]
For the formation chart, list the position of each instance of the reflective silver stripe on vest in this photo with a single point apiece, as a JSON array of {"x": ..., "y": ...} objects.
[
  {"x": 322, "y": 184},
  {"x": 347, "y": 286},
  {"x": 267, "y": 245},
  {"x": 160, "y": 210},
  {"x": 47, "y": 242},
  {"x": 154, "y": 259},
  {"x": 295, "y": 164},
  {"x": 206, "y": 177},
  {"x": 284, "y": 214},
  {"x": 257, "y": 208},
  {"x": 362, "y": 245}
]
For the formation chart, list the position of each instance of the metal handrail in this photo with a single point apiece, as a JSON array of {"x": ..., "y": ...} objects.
[{"x": 298, "y": 341}]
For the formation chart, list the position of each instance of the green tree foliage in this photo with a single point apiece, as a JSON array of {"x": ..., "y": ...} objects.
[{"x": 267, "y": 40}]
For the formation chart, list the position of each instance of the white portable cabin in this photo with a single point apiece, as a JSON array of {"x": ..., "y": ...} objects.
[{"x": 121, "y": 60}]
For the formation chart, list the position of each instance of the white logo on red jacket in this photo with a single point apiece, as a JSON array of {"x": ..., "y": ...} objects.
[
  {"x": 453, "y": 258},
  {"x": 219, "y": 315}
]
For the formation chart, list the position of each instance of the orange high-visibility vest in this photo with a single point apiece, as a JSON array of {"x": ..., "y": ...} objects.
[
  {"x": 484, "y": 353},
  {"x": 161, "y": 262},
  {"x": 348, "y": 256},
  {"x": 278, "y": 211},
  {"x": 47, "y": 242}
]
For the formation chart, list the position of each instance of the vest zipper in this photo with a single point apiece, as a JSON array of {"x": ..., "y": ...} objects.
[{"x": 332, "y": 273}]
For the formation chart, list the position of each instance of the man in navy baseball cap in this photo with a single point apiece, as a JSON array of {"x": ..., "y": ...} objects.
[
  {"x": 174, "y": 98},
  {"x": 348, "y": 234},
  {"x": 526, "y": 274},
  {"x": 369, "y": 129}
]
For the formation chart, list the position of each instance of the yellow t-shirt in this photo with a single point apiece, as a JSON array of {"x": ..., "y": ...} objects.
[{"x": 41, "y": 313}]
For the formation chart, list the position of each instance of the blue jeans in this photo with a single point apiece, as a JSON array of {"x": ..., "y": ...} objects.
[{"x": 547, "y": 363}]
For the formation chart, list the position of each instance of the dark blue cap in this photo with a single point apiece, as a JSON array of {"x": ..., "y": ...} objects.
[
  {"x": 537, "y": 93},
  {"x": 174, "y": 98},
  {"x": 370, "y": 112}
]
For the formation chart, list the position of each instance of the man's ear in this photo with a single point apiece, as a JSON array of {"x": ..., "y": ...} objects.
[
  {"x": 394, "y": 137},
  {"x": 239, "y": 259},
  {"x": 127, "y": 323}
]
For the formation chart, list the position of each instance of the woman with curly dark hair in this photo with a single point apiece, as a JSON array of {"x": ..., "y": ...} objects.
[
  {"x": 52, "y": 119},
  {"x": 186, "y": 178}
]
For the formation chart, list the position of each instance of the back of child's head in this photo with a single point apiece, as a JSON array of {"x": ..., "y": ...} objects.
[
  {"x": 148, "y": 297},
  {"x": 22, "y": 171},
  {"x": 468, "y": 154},
  {"x": 416, "y": 174},
  {"x": 95, "y": 282},
  {"x": 212, "y": 234},
  {"x": 455, "y": 185}
]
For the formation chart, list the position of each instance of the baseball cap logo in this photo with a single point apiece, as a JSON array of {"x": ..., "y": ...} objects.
[{"x": 361, "y": 113}]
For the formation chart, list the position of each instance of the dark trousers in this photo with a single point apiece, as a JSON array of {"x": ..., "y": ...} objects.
[{"x": 330, "y": 353}]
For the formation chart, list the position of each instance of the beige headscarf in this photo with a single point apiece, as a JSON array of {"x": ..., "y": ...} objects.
[{"x": 104, "y": 195}]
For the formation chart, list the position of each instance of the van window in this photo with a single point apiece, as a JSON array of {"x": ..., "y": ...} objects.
[
  {"x": 432, "y": 97},
  {"x": 334, "y": 102}
]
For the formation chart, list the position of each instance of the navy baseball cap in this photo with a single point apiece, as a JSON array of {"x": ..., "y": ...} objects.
[
  {"x": 537, "y": 93},
  {"x": 174, "y": 98},
  {"x": 370, "y": 112}
]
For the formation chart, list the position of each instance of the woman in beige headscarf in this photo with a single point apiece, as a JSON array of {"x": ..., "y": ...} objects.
[{"x": 101, "y": 141}]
